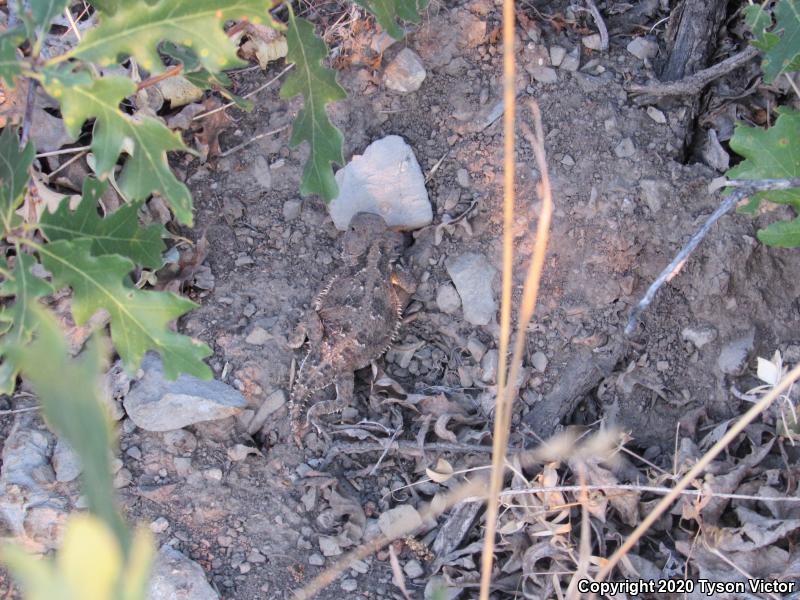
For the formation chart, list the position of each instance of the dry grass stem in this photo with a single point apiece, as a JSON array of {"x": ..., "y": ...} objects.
[{"x": 530, "y": 292}]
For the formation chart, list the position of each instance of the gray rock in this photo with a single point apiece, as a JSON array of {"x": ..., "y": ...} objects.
[
  {"x": 572, "y": 61},
  {"x": 462, "y": 178},
  {"x": 272, "y": 403},
  {"x": 544, "y": 74},
  {"x": 28, "y": 511},
  {"x": 413, "y": 569},
  {"x": 714, "y": 154},
  {"x": 399, "y": 520},
  {"x": 557, "y": 55},
  {"x": 160, "y": 525},
  {"x": 472, "y": 275},
  {"x": 291, "y": 209},
  {"x": 655, "y": 193},
  {"x": 66, "y": 462},
  {"x": 733, "y": 356},
  {"x": 489, "y": 366},
  {"x": 447, "y": 299},
  {"x": 476, "y": 348},
  {"x": 539, "y": 361},
  {"x": 316, "y": 560},
  {"x": 385, "y": 180},
  {"x": 593, "y": 41},
  {"x": 176, "y": 576},
  {"x": 643, "y": 48},
  {"x": 792, "y": 354},
  {"x": 656, "y": 115},
  {"x": 329, "y": 546},
  {"x": 349, "y": 585},
  {"x": 405, "y": 73},
  {"x": 625, "y": 149},
  {"x": 155, "y": 404},
  {"x": 261, "y": 172},
  {"x": 699, "y": 336},
  {"x": 258, "y": 336}
]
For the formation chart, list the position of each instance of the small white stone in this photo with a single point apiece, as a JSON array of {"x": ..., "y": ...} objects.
[
  {"x": 258, "y": 337},
  {"x": 447, "y": 299},
  {"x": 557, "y": 54},
  {"x": 643, "y": 48},
  {"x": 656, "y": 115},
  {"x": 572, "y": 61},
  {"x": 160, "y": 525},
  {"x": 405, "y": 73},
  {"x": 592, "y": 42},
  {"x": 413, "y": 569},
  {"x": 539, "y": 361},
  {"x": 544, "y": 74},
  {"x": 625, "y": 149}
]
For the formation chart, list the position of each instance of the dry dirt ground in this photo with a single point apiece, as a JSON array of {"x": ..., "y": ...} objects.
[{"x": 625, "y": 203}]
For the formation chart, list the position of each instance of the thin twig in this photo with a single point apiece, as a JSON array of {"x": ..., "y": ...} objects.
[
  {"x": 695, "y": 83},
  {"x": 697, "y": 470},
  {"x": 17, "y": 411},
  {"x": 571, "y": 489},
  {"x": 744, "y": 188},
  {"x": 407, "y": 447},
  {"x": 151, "y": 81},
  {"x": 64, "y": 151},
  {"x": 601, "y": 25},
  {"x": 248, "y": 95},
  {"x": 27, "y": 121},
  {"x": 72, "y": 24},
  {"x": 253, "y": 139},
  {"x": 49, "y": 176}
]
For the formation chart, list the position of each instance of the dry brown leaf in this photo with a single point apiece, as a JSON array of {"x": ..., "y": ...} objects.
[
  {"x": 207, "y": 138},
  {"x": 441, "y": 473},
  {"x": 262, "y": 43}
]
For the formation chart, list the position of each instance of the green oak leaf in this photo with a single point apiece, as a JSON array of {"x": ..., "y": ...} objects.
[
  {"x": 781, "y": 46},
  {"x": 758, "y": 19},
  {"x": 14, "y": 165},
  {"x": 10, "y": 63},
  {"x": 20, "y": 316},
  {"x": 72, "y": 405},
  {"x": 783, "y": 234},
  {"x": 139, "y": 319},
  {"x": 137, "y": 28},
  {"x": 147, "y": 170},
  {"x": 772, "y": 153},
  {"x": 108, "y": 7},
  {"x": 319, "y": 87},
  {"x": 195, "y": 74},
  {"x": 44, "y": 11},
  {"x": 389, "y": 12},
  {"x": 118, "y": 233}
]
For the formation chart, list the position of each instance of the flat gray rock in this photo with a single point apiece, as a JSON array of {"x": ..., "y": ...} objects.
[
  {"x": 405, "y": 73},
  {"x": 386, "y": 180},
  {"x": 156, "y": 404},
  {"x": 472, "y": 275},
  {"x": 66, "y": 462},
  {"x": 733, "y": 356},
  {"x": 175, "y": 576}
]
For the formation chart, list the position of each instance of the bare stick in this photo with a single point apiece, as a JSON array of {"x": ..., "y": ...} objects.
[
  {"x": 17, "y": 411},
  {"x": 151, "y": 81},
  {"x": 248, "y": 95},
  {"x": 744, "y": 188},
  {"x": 601, "y": 26},
  {"x": 27, "y": 120},
  {"x": 694, "y": 84},
  {"x": 409, "y": 448},
  {"x": 251, "y": 140},
  {"x": 63, "y": 151}
]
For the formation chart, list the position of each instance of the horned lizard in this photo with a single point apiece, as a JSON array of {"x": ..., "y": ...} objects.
[{"x": 353, "y": 319}]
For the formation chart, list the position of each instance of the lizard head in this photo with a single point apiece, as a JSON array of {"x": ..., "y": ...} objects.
[{"x": 365, "y": 229}]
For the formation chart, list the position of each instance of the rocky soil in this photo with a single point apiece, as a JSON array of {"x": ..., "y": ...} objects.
[{"x": 211, "y": 468}]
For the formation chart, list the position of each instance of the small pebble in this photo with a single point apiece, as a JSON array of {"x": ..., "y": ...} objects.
[
  {"x": 316, "y": 560},
  {"x": 349, "y": 585},
  {"x": 160, "y": 525},
  {"x": 625, "y": 149},
  {"x": 539, "y": 361},
  {"x": 592, "y": 42},
  {"x": 447, "y": 299},
  {"x": 413, "y": 569},
  {"x": 656, "y": 115},
  {"x": 291, "y": 209},
  {"x": 462, "y": 177},
  {"x": 557, "y": 55}
]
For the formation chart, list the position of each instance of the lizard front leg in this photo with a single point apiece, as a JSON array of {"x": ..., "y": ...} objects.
[
  {"x": 309, "y": 327},
  {"x": 345, "y": 384}
]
